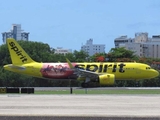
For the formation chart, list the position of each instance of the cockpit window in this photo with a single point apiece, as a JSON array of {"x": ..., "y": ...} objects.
[{"x": 148, "y": 67}]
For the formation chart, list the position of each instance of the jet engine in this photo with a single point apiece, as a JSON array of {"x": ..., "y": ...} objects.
[{"x": 107, "y": 79}]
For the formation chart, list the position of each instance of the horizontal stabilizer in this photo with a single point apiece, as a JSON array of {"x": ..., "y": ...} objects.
[{"x": 15, "y": 67}]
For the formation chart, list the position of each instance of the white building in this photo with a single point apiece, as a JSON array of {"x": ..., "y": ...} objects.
[
  {"x": 15, "y": 33},
  {"x": 91, "y": 48},
  {"x": 142, "y": 45},
  {"x": 153, "y": 47},
  {"x": 60, "y": 50},
  {"x": 121, "y": 41}
]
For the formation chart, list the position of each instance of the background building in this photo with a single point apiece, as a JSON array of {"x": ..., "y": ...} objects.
[
  {"x": 91, "y": 48},
  {"x": 142, "y": 45},
  {"x": 122, "y": 41},
  {"x": 15, "y": 33},
  {"x": 60, "y": 50}
]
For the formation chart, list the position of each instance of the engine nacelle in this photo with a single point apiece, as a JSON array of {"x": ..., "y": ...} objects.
[{"x": 107, "y": 79}]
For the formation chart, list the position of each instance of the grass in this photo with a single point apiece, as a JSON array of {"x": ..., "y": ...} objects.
[{"x": 104, "y": 91}]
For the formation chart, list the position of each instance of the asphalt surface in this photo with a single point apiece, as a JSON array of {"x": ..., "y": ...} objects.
[
  {"x": 79, "y": 107},
  {"x": 96, "y": 88}
]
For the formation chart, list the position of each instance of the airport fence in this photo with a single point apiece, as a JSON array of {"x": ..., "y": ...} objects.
[{"x": 17, "y": 90}]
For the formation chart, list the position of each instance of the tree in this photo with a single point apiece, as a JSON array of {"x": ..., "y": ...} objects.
[
  {"x": 98, "y": 57},
  {"x": 71, "y": 57},
  {"x": 4, "y": 55},
  {"x": 80, "y": 56},
  {"x": 121, "y": 54}
]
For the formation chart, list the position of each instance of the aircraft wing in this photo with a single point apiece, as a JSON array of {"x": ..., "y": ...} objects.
[
  {"x": 86, "y": 73},
  {"x": 83, "y": 73}
]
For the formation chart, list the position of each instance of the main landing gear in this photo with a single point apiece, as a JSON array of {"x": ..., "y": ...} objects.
[
  {"x": 85, "y": 84},
  {"x": 90, "y": 84}
]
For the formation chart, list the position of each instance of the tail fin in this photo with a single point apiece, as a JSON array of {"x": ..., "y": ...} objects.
[{"x": 18, "y": 55}]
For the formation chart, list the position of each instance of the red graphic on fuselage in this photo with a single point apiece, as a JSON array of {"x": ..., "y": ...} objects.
[{"x": 56, "y": 70}]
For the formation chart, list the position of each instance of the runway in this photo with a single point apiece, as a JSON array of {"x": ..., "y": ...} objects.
[{"x": 80, "y": 106}]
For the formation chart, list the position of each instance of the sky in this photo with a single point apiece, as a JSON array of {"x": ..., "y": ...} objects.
[{"x": 70, "y": 23}]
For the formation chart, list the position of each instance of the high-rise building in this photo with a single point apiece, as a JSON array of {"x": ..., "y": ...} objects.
[
  {"x": 91, "y": 48},
  {"x": 141, "y": 45},
  {"x": 15, "y": 33}
]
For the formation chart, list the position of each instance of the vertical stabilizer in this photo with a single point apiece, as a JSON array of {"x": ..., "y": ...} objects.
[{"x": 18, "y": 55}]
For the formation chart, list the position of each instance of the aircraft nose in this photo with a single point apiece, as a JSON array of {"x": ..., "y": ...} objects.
[{"x": 156, "y": 73}]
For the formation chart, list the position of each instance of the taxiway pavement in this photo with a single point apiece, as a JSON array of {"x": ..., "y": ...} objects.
[{"x": 80, "y": 105}]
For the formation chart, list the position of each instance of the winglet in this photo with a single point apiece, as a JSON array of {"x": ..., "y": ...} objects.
[{"x": 69, "y": 63}]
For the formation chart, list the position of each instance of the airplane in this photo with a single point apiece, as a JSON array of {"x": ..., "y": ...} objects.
[{"x": 103, "y": 73}]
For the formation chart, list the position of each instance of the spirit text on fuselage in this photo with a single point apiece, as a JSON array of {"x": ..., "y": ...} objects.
[{"x": 102, "y": 67}]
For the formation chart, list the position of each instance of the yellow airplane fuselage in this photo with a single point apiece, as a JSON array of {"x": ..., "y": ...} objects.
[{"x": 123, "y": 70}]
